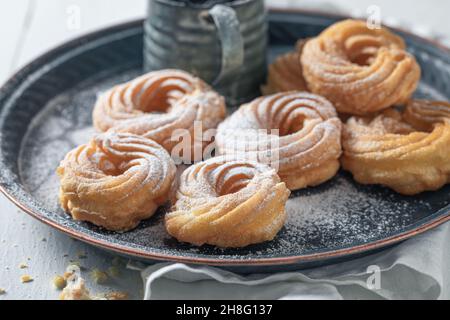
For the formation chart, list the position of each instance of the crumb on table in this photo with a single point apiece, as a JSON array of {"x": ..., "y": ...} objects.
[
  {"x": 116, "y": 295},
  {"x": 75, "y": 290},
  {"x": 26, "y": 279},
  {"x": 59, "y": 282},
  {"x": 2, "y": 291}
]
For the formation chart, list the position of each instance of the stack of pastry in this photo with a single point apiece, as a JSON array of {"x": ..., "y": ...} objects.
[
  {"x": 388, "y": 139},
  {"x": 290, "y": 139},
  {"x": 125, "y": 173}
]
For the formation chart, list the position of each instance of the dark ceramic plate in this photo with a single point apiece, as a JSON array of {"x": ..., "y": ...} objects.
[{"x": 46, "y": 111}]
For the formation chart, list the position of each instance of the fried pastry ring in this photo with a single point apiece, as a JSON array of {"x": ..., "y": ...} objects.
[
  {"x": 407, "y": 151},
  {"x": 116, "y": 180},
  {"x": 157, "y": 104},
  {"x": 305, "y": 146},
  {"x": 285, "y": 73},
  {"x": 228, "y": 203},
  {"x": 360, "y": 70}
]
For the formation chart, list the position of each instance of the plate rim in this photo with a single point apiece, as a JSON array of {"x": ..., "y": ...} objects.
[{"x": 418, "y": 228}]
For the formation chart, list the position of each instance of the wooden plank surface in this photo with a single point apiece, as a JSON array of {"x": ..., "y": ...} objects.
[
  {"x": 31, "y": 27},
  {"x": 56, "y": 21},
  {"x": 47, "y": 253}
]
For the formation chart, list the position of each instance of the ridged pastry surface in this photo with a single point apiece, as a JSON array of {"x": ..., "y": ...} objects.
[
  {"x": 306, "y": 144},
  {"x": 286, "y": 73},
  {"x": 228, "y": 203},
  {"x": 360, "y": 70},
  {"x": 116, "y": 180},
  {"x": 408, "y": 151},
  {"x": 158, "y": 104}
]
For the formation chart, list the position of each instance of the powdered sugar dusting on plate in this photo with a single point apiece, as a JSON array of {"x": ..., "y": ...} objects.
[{"x": 337, "y": 214}]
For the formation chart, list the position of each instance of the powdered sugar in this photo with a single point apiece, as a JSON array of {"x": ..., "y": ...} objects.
[
  {"x": 339, "y": 213},
  {"x": 64, "y": 123},
  {"x": 347, "y": 209}
]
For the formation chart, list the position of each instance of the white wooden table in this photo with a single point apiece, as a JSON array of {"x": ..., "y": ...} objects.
[{"x": 30, "y": 27}]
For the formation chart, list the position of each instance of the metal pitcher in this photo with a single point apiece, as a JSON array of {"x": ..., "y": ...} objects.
[{"x": 222, "y": 42}]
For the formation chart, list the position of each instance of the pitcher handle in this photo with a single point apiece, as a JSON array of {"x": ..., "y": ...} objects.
[{"x": 228, "y": 27}]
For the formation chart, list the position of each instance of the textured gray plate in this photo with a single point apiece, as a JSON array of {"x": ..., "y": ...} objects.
[{"x": 46, "y": 111}]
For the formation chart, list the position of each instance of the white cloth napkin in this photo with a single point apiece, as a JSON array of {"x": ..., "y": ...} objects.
[{"x": 415, "y": 269}]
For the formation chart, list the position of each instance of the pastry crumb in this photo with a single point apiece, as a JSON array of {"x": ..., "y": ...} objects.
[
  {"x": 26, "y": 279},
  {"x": 70, "y": 270},
  {"x": 2, "y": 291},
  {"x": 75, "y": 288},
  {"x": 67, "y": 275},
  {"x": 117, "y": 295},
  {"x": 23, "y": 266},
  {"x": 59, "y": 282},
  {"x": 98, "y": 276}
]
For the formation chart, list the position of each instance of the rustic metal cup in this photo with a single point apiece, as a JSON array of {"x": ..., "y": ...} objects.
[{"x": 222, "y": 42}]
